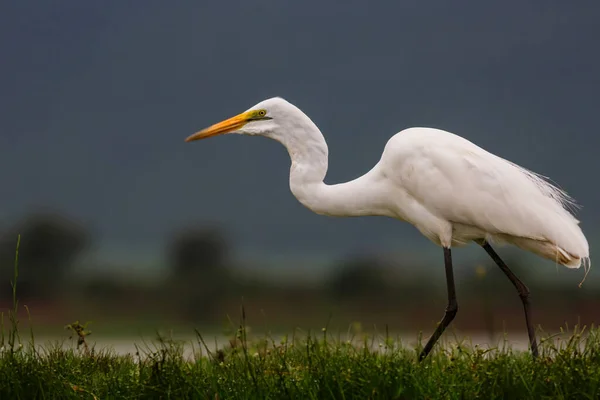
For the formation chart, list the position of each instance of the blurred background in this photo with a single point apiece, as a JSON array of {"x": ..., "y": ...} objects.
[{"x": 125, "y": 225}]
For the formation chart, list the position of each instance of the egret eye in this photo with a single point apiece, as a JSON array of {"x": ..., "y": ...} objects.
[{"x": 262, "y": 113}]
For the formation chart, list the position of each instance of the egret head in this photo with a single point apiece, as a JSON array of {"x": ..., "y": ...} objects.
[{"x": 267, "y": 118}]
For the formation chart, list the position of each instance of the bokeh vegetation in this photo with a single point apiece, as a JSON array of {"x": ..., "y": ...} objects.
[{"x": 204, "y": 283}]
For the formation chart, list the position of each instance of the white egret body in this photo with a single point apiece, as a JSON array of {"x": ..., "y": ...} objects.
[{"x": 453, "y": 191}]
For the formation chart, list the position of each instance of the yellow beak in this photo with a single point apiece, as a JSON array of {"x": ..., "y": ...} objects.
[{"x": 229, "y": 125}]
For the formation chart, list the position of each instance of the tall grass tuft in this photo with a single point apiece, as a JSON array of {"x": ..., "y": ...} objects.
[{"x": 13, "y": 316}]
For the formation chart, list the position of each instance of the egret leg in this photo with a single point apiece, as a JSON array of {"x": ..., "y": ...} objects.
[
  {"x": 451, "y": 309},
  {"x": 523, "y": 294}
]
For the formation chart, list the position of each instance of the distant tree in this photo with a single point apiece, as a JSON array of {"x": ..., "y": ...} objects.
[
  {"x": 358, "y": 276},
  {"x": 199, "y": 259},
  {"x": 49, "y": 245},
  {"x": 198, "y": 250}
]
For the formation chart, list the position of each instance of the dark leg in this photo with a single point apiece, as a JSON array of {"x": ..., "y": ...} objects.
[
  {"x": 523, "y": 294},
  {"x": 450, "y": 310}
]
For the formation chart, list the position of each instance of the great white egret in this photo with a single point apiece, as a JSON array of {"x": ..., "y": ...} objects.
[{"x": 451, "y": 190}]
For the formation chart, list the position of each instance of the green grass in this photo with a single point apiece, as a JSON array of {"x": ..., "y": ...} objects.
[
  {"x": 304, "y": 366},
  {"x": 307, "y": 367}
]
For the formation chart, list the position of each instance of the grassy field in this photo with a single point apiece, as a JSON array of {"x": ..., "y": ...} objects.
[
  {"x": 310, "y": 366},
  {"x": 307, "y": 365}
]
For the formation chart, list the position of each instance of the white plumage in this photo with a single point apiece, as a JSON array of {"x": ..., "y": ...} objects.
[
  {"x": 453, "y": 191},
  {"x": 480, "y": 196}
]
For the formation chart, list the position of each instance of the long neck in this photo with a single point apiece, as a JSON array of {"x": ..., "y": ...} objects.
[{"x": 308, "y": 152}]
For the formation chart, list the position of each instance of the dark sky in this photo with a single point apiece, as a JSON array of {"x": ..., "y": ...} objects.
[{"x": 97, "y": 98}]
